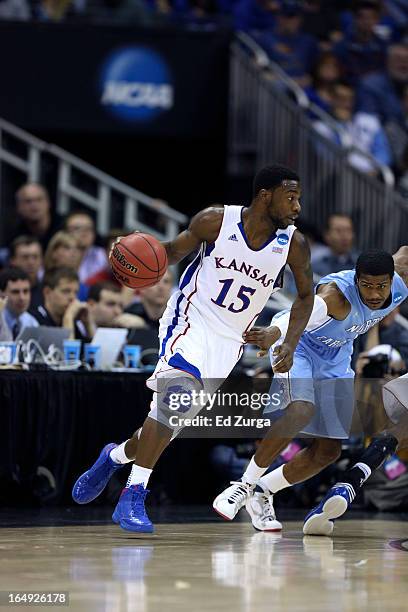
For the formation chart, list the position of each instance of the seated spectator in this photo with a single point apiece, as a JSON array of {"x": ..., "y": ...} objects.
[
  {"x": 255, "y": 15},
  {"x": 362, "y": 51},
  {"x": 63, "y": 252},
  {"x": 153, "y": 301},
  {"x": 34, "y": 214},
  {"x": 287, "y": 45},
  {"x": 339, "y": 237},
  {"x": 26, "y": 253},
  {"x": 380, "y": 94},
  {"x": 320, "y": 20},
  {"x": 387, "y": 27},
  {"x": 93, "y": 258},
  {"x": 106, "y": 306},
  {"x": 15, "y": 296},
  {"x": 397, "y": 133},
  {"x": 353, "y": 130},
  {"x": 326, "y": 73},
  {"x": 61, "y": 307}
]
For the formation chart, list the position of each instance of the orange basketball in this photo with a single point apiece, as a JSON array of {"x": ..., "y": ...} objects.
[{"x": 138, "y": 261}]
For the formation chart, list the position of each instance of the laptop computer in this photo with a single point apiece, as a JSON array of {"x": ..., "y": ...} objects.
[
  {"x": 111, "y": 341},
  {"x": 45, "y": 336}
]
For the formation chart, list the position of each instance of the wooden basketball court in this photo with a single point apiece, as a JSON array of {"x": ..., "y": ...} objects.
[{"x": 210, "y": 566}]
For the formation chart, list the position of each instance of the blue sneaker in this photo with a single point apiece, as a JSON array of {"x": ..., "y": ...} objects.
[
  {"x": 91, "y": 484},
  {"x": 319, "y": 521},
  {"x": 130, "y": 512}
]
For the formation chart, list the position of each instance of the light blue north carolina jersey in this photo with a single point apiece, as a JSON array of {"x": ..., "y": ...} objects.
[
  {"x": 334, "y": 334},
  {"x": 321, "y": 372}
]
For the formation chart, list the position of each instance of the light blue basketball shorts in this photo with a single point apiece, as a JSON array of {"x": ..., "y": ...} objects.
[{"x": 324, "y": 378}]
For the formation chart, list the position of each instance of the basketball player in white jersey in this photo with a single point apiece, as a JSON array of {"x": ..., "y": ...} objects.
[{"x": 242, "y": 255}]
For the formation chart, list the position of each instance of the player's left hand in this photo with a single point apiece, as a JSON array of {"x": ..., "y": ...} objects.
[
  {"x": 283, "y": 358},
  {"x": 263, "y": 337}
]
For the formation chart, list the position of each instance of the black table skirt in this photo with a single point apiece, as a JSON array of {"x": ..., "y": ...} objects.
[{"x": 62, "y": 419}]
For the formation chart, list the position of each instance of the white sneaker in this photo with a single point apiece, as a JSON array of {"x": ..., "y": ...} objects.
[
  {"x": 229, "y": 502},
  {"x": 260, "y": 508}
]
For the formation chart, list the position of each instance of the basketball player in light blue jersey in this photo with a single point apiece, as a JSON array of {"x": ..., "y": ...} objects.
[
  {"x": 242, "y": 253},
  {"x": 320, "y": 382}
]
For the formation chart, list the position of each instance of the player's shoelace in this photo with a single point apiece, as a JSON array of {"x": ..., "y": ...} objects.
[
  {"x": 137, "y": 501},
  {"x": 240, "y": 493}
]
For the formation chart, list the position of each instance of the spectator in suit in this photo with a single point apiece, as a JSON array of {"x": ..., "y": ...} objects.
[
  {"x": 93, "y": 258},
  {"x": 34, "y": 213},
  {"x": 339, "y": 237},
  {"x": 15, "y": 295},
  {"x": 61, "y": 307},
  {"x": 26, "y": 253}
]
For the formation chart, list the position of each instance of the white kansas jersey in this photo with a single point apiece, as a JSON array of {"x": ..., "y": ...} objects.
[{"x": 228, "y": 282}]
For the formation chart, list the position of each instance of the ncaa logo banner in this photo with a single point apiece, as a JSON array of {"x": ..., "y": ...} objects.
[{"x": 136, "y": 85}]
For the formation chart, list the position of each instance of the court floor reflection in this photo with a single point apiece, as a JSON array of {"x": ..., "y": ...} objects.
[{"x": 211, "y": 567}]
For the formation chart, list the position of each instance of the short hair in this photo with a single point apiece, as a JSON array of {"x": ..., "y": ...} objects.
[
  {"x": 11, "y": 274},
  {"x": 54, "y": 275},
  {"x": 96, "y": 290},
  {"x": 270, "y": 177},
  {"x": 78, "y": 212},
  {"x": 23, "y": 241},
  {"x": 336, "y": 214},
  {"x": 375, "y": 263},
  {"x": 31, "y": 184}
]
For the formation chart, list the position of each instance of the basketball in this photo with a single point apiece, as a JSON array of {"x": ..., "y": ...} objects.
[{"x": 138, "y": 261}]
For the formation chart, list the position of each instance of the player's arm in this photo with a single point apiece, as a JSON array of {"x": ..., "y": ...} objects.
[
  {"x": 299, "y": 262},
  {"x": 204, "y": 227},
  {"x": 296, "y": 320},
  {"x": 401, "y": 263},
  {"x": 329, "y": 302}
]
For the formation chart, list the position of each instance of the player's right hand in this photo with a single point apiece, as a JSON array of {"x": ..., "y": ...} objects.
[
  {"x": 283, "y": 361},
  {"x": 263, "y": 337}
]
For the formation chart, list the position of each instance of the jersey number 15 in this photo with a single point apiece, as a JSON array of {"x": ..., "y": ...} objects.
[{"x": 243, "y": 295}]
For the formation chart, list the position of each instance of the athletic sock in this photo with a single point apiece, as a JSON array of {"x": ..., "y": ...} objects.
[
  {"x": 253, "y": 472},
  {"x": 138, "y": 475},
  {"x": 118, "y": 454},
  {"x": 274, "y": 481},
  {"x": 371, "y": 459}
]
